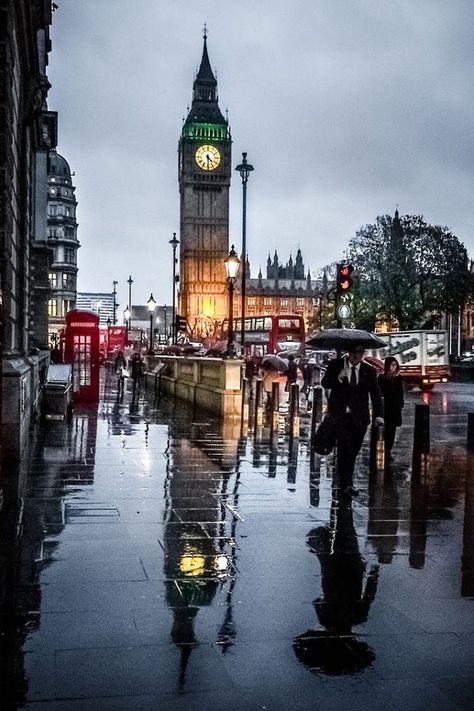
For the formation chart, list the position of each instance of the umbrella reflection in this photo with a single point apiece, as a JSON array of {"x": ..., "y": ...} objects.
[{"x": 345, "y": 602}]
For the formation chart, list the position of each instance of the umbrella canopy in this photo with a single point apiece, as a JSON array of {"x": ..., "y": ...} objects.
[
  {"x": 375, "y": 363},
  {"x": 274, "y": 362},
  {"x": 344, "y": 338}
]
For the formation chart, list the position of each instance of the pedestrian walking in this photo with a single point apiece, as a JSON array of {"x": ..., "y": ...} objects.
[
  {"x": 269, "y": 376},
  {"x": 351, "y": 382},
  {"x": 292, "y": 372},
  {"x": 136, "y": 371},
  {"x": 391, "y": 387},
  {"x": 120, "y": 366},
  {"x": 311, "y": 377}
]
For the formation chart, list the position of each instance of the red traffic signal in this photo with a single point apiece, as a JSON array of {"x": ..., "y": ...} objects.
[{"x": 344, "y": 281}]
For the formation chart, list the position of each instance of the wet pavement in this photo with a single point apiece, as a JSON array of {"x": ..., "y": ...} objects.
[{"x": 153, "y": 558}]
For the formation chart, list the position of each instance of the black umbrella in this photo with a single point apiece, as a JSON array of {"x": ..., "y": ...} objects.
[
  {"x": 274, "y": 362},
  {"x": 344, "y": 338}
]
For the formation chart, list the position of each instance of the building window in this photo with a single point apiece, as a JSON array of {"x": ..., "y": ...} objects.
[
  {"x": 267, "y": 301},
  {"x": 53, "y": 280},
  {"x": 300, "y": 302},
  {"x": 283, "y": 302},
  {"x": 251, "y": 301},
  {"x": 67, "y": 306},
  {"x": 69, "y": 255},
  {"x": 315, "y": 302},
  {"x": 52, "y": 210},
  {"x": 53, "y": 307},
  {"x": 68, "y": 212}
]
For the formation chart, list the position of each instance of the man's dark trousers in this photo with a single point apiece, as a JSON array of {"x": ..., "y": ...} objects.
[{"x": 349, "y": 441}]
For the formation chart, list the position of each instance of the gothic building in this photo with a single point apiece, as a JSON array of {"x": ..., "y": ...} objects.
[
  {"x": 62, "y": 238},
  {"x": 204, "y": 182}
]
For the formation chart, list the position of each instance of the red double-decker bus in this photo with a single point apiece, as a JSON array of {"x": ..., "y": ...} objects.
[{"x": 269, "y": 334}]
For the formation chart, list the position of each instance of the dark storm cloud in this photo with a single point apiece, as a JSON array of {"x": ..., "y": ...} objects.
[{"x": 345, "y": 109}]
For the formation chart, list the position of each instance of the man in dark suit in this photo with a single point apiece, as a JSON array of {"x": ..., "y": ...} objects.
[{"x": 351, "y": 381}]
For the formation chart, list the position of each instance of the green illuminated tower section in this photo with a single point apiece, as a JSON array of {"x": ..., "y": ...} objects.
[{"x": 204, "y": 182}]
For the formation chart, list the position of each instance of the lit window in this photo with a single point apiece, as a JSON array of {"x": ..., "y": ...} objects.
[
  {"x": 53, "y": 280},
  {"x": 251, "y": 301},
  {"x": 53, "y": 307},
  {"x": 283, "y": 302},
  {"x": 267, "y": 301},
  {"x": 300, "y": 302}
]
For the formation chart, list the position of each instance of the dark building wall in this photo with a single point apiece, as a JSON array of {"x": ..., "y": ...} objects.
[{"x": 24, "y": 138}]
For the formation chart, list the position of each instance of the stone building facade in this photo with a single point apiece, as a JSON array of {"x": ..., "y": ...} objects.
[
  {"x": 62, "y": 238},
  {"x": 27, "y": 133}
]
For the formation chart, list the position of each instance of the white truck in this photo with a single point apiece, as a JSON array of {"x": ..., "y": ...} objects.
[{"x": 423, "y": 356}]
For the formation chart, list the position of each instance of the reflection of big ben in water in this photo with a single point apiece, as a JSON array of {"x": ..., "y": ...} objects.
[
  {"x": 196, "y": 540},
  {"x": 204, "y": 181}
]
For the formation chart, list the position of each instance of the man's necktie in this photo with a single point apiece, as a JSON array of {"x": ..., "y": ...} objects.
[{"x": 353, "y": 380}]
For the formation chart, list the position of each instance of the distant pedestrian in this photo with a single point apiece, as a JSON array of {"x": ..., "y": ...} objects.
[
  {"x": 120, "y": 367},
  {"x": 391, "y": 388},
  {"x": 269, "y": 376},
  {"x": 136, "y": 371},
  {"x": 291, "y": 373}
]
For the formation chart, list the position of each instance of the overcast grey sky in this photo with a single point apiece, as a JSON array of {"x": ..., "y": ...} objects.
[{"x": 345, "y": 107}]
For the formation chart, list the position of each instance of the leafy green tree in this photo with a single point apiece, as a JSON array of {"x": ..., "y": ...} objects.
[{"x": 407, "y": 270}]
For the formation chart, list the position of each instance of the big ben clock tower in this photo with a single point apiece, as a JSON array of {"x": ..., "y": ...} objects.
[{"x": 204, "y": 181}]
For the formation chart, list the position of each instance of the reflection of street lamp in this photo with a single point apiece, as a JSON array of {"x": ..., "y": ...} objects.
[
  {"x": 151, "y": 303},
  {"x": 232, "y": 263},
  {"x": 244, "y": 169},
  {"x": 126, "y": 315}
]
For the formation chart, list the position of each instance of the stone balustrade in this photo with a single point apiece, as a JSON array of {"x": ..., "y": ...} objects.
[{"x": 212, "y": 384}]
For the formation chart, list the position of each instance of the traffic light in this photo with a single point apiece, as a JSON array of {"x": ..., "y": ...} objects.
[
  {"x": 180, "y": 322},
  {"x": 344, "y": 286}
]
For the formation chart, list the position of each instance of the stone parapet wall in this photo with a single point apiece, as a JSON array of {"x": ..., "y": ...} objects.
[{"x": 212, "y": 384}]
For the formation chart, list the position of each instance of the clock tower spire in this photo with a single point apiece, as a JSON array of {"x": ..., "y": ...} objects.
[{"x": 204, "y": 181}]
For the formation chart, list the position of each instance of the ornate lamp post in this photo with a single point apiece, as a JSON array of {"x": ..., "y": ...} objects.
[
  {"x": 151, "y": 303},
  {"x": 126, "y": 315},
  {"x": 232, "y": 263},
  {"x": 129, "y": 305},
  {"x": 174, "y": 243},
  {"x": 114, "y": 294},
  {"x": 244, "y": 169}
]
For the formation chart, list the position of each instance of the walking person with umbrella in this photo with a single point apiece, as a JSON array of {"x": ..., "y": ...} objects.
[
  {"x": 351, "y": 382},
  {"x": 392, "y": 392}
]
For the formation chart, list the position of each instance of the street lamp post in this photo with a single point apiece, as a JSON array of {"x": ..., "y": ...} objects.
[
  {"x": 126, "y": 315},
  {"x": 129, "y": 306},
  {"x": 151, "y": 303},
  {"x": 244, "y": 169},
  {"x": 232, "y": 263},
  {"x": 114, "y": 294},
  {"x": 109, "y": 323},
  {"x": 174, "y": 243}
]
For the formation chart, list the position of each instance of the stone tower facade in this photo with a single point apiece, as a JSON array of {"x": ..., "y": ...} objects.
[
  {"x": 62, "y": 238},
  {"x": 204, "y": 182}
]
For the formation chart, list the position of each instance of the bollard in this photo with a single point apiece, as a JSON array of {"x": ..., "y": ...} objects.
[
  {"x": 470, "y": 431},
  {"x": 245, "y": 400},
  {"x": 294, "y": 410},
  {"x": 258, "y": 404},
  {"x": 275, "y": 413},
  {"x": 318, "y": 402},
  {"x": 421, "y": 436}
]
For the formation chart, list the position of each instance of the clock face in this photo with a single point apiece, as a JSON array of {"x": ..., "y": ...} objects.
[{"x": 208, "y": 157}]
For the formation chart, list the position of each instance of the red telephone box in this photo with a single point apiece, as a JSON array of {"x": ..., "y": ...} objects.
[{"x": 82, "y": 350}]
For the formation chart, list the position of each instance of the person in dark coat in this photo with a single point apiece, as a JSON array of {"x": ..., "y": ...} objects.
[
  {"x": 292, "y": 372},
  {"x": 351, "y": 381},
  {"x": 120, "y": 366},
  {"x": 391, "y": 388},
  {"x": 136, "y": 371}
]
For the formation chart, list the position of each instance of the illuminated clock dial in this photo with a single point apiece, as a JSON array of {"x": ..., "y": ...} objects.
[{"x": 208, "y": 157}]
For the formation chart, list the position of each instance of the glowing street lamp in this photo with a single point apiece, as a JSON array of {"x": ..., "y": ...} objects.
[
  {"x": 126, "y": 316},
  {"x": 232, "y": 264}
]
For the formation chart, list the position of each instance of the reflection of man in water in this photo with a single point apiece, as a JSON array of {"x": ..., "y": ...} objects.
[{"x": 345, "y": 601}]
